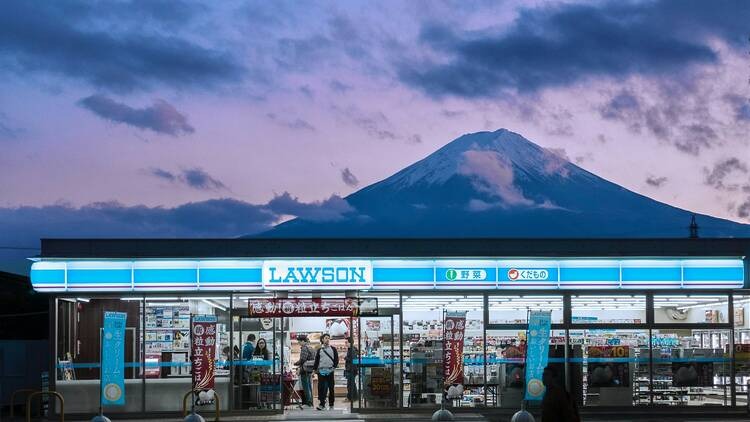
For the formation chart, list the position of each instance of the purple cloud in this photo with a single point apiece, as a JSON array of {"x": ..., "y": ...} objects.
[
  {"x": 161, "y": 117},
  {"x": 332, "y": 209},
  {"x": 349, "y": 178}
]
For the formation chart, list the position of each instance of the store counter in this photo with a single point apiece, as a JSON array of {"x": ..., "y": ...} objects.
[{"x": 162, "y": 395}]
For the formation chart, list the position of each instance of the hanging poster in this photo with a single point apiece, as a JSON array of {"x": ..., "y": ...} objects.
[
  {"x": 113, "y": 359},
  {"x": 203, "y": 351},
  {"x": 453, "y": 354},
  {"x": 537, "y": 353},
  {"x": 282, "y": 307}
]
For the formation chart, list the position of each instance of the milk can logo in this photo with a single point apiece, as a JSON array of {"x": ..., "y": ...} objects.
[
  {"x": 527, "y": 274},
  {"x": 465, "y": 274}
]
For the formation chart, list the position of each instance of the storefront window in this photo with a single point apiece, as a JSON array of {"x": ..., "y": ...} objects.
[
  {"x": 609, "y": 367},
  {"x": 742, "y": 347},
  {"x": 79, "y": 335},
  {"x": 514, "y": 309},
  {"x": 691, "y": 309},
  {"x": 166, "y": 322},
  {"x": 611, "y": 309}
]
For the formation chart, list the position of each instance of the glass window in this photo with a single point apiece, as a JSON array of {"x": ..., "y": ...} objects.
[
  {"x": 609, "y": 367},
  {"x": 691, "y": 367},
  {"x": 79, "y": 335},
  {"x": 742, "y": 346},
  {"x": 611, "y": 309},
  {"x": 423, "y": 332},
  {"x": 167, "y": 343},
  {"x": 691, "y": 308},
  {"x": 514, "y": 309}
]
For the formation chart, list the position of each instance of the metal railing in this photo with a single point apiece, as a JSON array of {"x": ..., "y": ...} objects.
[
  {"x": 45, "y": 393},
  {"x": 13, "y": 399},
  {"x": 217, "y": 399}
]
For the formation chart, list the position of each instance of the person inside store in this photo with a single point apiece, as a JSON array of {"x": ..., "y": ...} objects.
[
  {"x": 326, "y": 360},
  {"x": 350, "y": 370},
  {"x": 557, "y": 404},
  {"x": 306, "y": 362},
  {"x": 261, "y": 350},
  {"x": 249, "y": 347}
]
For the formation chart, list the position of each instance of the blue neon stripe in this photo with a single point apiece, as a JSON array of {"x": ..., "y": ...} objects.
[
  {"x": 440, "y": 275},
  {"x": 95, "y": 276},
  {"x": 714, "y": 274},
  {"x": 167, "y": 275},
  {"x": 47, "y": 276},
  {"x": 230, "y": 275},
  {"x": 652, "y": 274},
  {"x": 402, "y": 274},
  {"x": 589, "y": 274}
]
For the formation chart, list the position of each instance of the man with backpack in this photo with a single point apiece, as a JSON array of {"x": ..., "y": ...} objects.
[
  {"x": 326, "y": 361},
  {"x": 557, "y": 405}
]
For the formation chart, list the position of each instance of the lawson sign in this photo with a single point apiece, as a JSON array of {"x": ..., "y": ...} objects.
[{"x": 317, "y": 274}]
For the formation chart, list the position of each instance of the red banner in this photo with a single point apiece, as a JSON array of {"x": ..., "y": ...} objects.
[
  {"x": 453, "y": 351},
  {"x": 203, "y": 351},
  {"x": 274, "y": 308}
]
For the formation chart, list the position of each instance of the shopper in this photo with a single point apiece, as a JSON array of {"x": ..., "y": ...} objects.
[
  {"x": 262, "y": 350},
  {"x": 248, "y": 348},
  {"x": 306, "y": 363},
  {"x": 350, "y": 371},
  {"x": 557, "y": 405},
  {"x": 326, "y": 360}
]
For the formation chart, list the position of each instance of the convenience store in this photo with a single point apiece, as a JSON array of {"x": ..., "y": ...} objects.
[{"x": 638, "y": 325}]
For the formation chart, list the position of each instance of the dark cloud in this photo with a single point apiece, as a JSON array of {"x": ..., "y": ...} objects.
[
  {"x": 452, "y": 113},
  {"x": 339, "y": 87},
  {"x": 108, "y": 46},
  {"x": 656, "y": 182},
  {"x": 349, "y": 178},
  {"x": 307, "y": 92},
  {"x": 7, "y": 131},
  {"x": 721, "y": 175},
  {"x": 415, "y": 139},
  {"x": 161, "y": 117},
  {"x": 375, "y": 124},
  {"x": 564, "y": 44},
  {"x": 332, "y": 209},
  {"x": 694, "y": 137},
  {"x": 622, "y": 105},
  {"x": 743, "y": 211},
  {"x": 163, "y": 174},
  {"x": 296, "y": 123},
  {"x": 740, "y": 105},
  {"x": 195, "y": 178}
]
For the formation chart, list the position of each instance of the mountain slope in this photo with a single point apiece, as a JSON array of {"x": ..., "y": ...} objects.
[{"x": 498, "y": 184}]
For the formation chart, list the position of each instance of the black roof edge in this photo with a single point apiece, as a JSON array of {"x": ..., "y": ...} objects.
[{"x": 391, "y": 247}]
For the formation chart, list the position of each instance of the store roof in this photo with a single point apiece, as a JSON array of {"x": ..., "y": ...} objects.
[{"x": 381, "y": 247}]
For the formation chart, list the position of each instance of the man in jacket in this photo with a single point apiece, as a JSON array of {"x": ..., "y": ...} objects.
[
  {"x": 306, "y": 354},
  {"x": 350, "y": 370},
  {"x": 326, "y": 361}
]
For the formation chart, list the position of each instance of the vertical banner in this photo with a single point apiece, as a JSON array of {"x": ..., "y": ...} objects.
[
  {"x": 203, "y": 351},
  {"x": 453, "y": 354},
  {"x": 113, "y": 359},
  {"x": 537, "y": 353}
]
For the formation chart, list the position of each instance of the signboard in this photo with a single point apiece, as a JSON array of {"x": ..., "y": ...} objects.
[
  {"x": 453, "y": 353},
  {"x": 608, "y": 366},
  {"x": 537, "y": 353},
  {"x": 203, "y": 351},
  {"x": 281, "y": 307},
  {"x": 113, "y": 359},
  {"x": 381, "y": 382},
  {"x": 317, "y": 274}
]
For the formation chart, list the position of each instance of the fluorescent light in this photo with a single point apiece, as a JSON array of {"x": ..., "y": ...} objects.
[
  {"x": 215, "y": 305},
  {"x": 82, "y": 299}
]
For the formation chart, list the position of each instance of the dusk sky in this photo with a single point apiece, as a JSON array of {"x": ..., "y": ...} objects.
[{"x": 179, "y": 118}]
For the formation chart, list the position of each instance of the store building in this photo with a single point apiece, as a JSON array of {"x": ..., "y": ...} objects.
[{"x": 638, "y": 324}]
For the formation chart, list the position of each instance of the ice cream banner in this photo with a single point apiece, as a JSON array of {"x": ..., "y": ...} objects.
[
  {"x": 203, "y": 351},
  {"x": 453, "y": 353},
  {"x": 537, "y": 353},
  {"x": 113, "y": 359}
]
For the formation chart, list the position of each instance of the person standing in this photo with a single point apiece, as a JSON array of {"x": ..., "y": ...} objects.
[
  {"x": 306, "y": 362},
  {"x": 350, "y": 371},
  {"x": 557, "y": 405},
  {"x": 326, "y": 361},
  {"x": 262, "y": 350},
  {"x": 249, "y": 347}
]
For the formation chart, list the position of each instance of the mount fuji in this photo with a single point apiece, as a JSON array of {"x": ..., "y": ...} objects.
[{"x": 499, "y": 184}]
